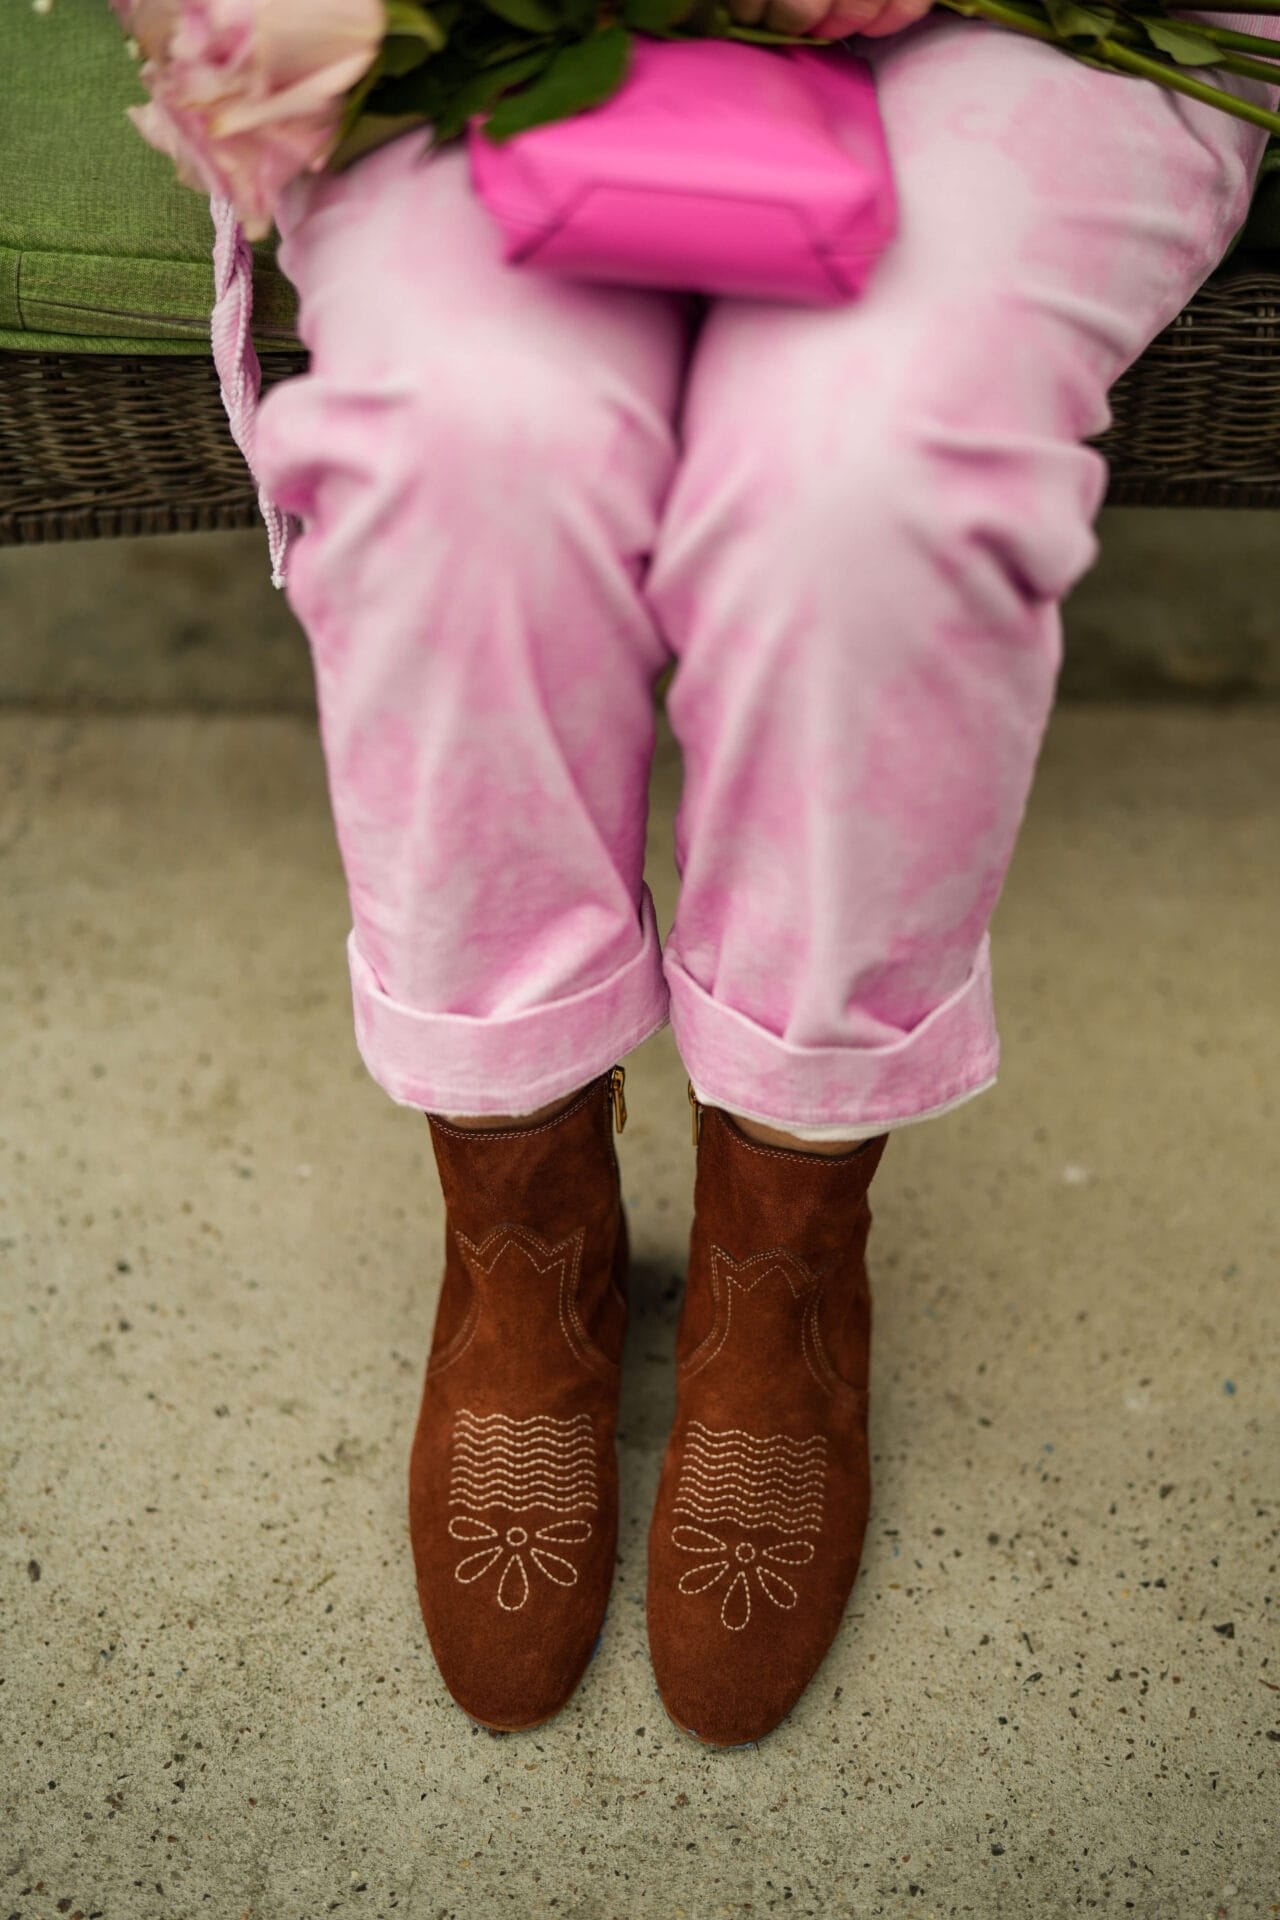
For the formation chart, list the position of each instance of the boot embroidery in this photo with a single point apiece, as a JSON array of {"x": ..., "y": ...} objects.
[
  {"x": 561, "y": 1259},
  {"x": 508, "y": 1468},
  {"x": 732, "y": 1278},
  {"x": 515, "y": 1542},
  {"x": 714, "y": 1561},
  {"x": 763, "y": 1496}
]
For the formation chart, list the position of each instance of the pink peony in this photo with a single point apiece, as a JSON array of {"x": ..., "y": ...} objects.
[{"x": 246, "y": 94}]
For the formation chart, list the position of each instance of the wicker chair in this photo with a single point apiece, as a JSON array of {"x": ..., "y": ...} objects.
[{"x": 97, "y": 443}]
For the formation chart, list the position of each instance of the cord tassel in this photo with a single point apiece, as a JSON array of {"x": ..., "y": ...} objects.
[{"x": 234, "y": 356}]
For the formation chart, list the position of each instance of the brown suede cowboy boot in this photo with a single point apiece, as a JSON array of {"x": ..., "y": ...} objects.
[
  {"x": 513, "y": 1500},
  {"x": 765, "y": 1489}
]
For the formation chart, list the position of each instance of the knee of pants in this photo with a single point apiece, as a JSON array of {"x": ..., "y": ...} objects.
[
  {"x": 935, "y": 500},
  {"x": 486, "y": 445}
]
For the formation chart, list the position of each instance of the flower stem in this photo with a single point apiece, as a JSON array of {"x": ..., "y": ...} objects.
[
  {"x": 1252, "y": 69},
  {"x": 1170, "y": 76},
  {"x": 1002, "y": 16},
  {"x": 1240, "y": 42},
  {"x": 1237, "y": 48},
  {"x": 1115, "y": 57}
]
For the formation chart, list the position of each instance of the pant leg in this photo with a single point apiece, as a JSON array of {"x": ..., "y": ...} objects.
[
  {"x": 478, "y": 455},
  {"x": 877, "y": 513}
]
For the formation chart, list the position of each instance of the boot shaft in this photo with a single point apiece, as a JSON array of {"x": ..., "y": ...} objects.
[
  {"x": 777, "y": 1264},
  {"x": 535, "y": 1244}
]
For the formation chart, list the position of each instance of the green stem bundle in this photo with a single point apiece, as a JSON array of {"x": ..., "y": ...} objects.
[
  {"x": 521, "y": 63},
  {"x": 1116, "y": 51}
]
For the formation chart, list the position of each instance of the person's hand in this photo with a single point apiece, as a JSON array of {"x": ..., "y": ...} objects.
[{"x": 830, "y": 19}]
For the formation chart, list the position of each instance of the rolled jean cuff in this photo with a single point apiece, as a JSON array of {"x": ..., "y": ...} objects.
[
  {"x": 469, "y": 1064},
  {"x": 837, "y": 1092}
]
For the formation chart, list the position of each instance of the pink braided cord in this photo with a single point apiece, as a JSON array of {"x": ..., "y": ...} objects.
[{"x": 239, "y": 373}]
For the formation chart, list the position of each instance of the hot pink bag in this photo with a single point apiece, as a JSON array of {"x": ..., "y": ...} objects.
[{"x": 718, "y": 167}]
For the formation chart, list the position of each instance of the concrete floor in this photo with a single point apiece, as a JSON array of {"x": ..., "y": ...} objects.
[
  {"x": 1180, "y": 604},
  {"x": 1058, "y": 1685}
]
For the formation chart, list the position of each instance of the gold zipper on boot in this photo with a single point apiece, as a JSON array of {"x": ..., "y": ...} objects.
[
  {"x": 697, "y": 1112},
  {"x": 617, "y": 1079}
]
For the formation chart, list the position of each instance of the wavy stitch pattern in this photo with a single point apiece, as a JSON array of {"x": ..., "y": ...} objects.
[
  {"x": 738, "y": 1493},
  {"x": 515, "y": 1467}
]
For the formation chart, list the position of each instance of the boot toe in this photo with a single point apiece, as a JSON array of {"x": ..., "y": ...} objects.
[
  {"x": 510, "y": 1681},
  {"x": 511, "y": 1651},
  {"x": 730, "y": 1699},
  {"x": 722, "y": 1717}
]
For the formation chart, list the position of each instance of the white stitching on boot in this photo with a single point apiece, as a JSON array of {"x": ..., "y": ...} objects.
[
  {"x": 546, "y": 1257},
  {"x": 770, "y": 1485},
  {"x": 773, "y": 1484},
  {"x": 743, "y": 1276},
  {"x": 514, "y": 1467}
]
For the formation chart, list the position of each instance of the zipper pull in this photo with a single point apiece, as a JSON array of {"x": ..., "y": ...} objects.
[
  {"x": 697, "y": 1114},
  {"x": 617, "y": 1078}
]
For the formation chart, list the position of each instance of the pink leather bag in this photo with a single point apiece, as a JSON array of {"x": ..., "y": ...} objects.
[{"x": 718, "y": 167}]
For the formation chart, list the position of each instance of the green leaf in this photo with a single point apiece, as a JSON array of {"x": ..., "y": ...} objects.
[
  {"x": 765, "y": 37},
  {"x": 401, "y": 53},
  {"x": 651, "y": 16},
  {"x": 533, "y": 15},
  {"x": 413, "y": 35},
  {"x": 354, "y": 103},
  {"x": 374, "y": 130},
  {"x": 415, "y": 23},
  {"x": 580, "y": 75},
  {"x": 703, "y": 17},
  {"x": 1075, "y": 22},
  {"x": 516, "y": 46},
  {"x": 1182, "y": 44},
  {"x": 478, "y": 94}
]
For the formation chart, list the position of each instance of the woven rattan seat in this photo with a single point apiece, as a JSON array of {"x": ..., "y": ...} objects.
[
  {"x": 111, "y": 420},
  {"x": 104, "y": 444}
]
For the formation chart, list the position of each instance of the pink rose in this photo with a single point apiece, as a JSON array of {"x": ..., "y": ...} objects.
[{"x": 247, "y": 94}]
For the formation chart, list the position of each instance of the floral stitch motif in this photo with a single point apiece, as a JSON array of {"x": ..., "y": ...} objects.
[
  {"x": 515, "y": 1542},
  {"x": 767, "y": 1492},
  {"x": 512, "y": 1470},
  {"x": 715, "y": 1559}
]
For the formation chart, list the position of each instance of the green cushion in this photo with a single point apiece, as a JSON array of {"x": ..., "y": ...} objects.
[{"x": 102, "y": 248}]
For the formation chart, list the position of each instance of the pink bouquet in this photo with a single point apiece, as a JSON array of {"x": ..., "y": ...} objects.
[{"x": 244, "y": 96}]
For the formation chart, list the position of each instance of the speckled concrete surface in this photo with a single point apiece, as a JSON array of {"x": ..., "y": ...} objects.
[
  {"x": 192, "y": 620},
  {"x": 1058, "y": 1686}
]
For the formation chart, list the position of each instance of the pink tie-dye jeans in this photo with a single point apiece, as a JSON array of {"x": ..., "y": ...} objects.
[{"x": 851, "y": 528}]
